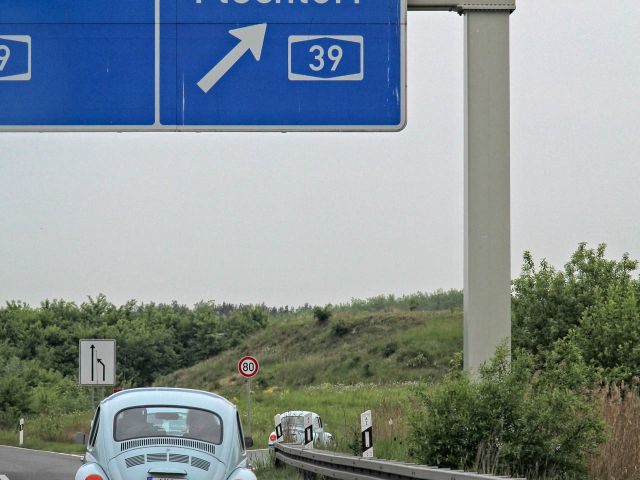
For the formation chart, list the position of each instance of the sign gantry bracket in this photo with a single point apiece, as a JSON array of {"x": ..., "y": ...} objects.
[{"x": 460, "y": 6}]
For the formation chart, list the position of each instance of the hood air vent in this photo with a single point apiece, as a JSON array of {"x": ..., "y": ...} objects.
[
  {"x": 161, "y": 441},
  {"x": 174, "y": 457},
  {"x": 156, "y": 457},
  {"x": 200, "y": 463},
  {"x": 134, "y": 461}
]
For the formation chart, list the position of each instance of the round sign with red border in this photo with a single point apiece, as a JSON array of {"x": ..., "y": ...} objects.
[{"x": 248, "y": 367}]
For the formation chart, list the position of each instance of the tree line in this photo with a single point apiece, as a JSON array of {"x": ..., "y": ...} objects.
[{"x": 39, "y": 346}]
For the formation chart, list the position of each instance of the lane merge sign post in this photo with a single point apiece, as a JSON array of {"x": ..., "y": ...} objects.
[
  {"x": 202, "y": 65},
  {"x": 248, "y": 367},
  {"x": 97, "y": 362}
]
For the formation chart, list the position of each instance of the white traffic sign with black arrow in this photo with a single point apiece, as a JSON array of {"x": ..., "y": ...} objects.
[
  {"x": 97, "y": 362},
  {"x": 251, "y": 38}
]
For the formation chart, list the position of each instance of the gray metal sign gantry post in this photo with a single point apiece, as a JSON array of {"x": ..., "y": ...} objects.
[{"x": 487, "y": 243}]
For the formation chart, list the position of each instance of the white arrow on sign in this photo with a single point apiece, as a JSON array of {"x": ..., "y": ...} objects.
[{"x": 251, "y": 38}]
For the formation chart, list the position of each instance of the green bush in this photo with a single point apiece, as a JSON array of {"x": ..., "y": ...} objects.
[
  {"x": 389, "y": 349},
  {"x": 548, "y": 303},
  {"x": 593, "y": 304},
  {"x": 512, "y": 420},
  {"x": 322, "y": 314},
  {"x": 608, "y": 334},
  {"x": 340, "y": 329}
]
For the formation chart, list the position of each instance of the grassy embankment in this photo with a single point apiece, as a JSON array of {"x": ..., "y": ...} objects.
[{"x": 355, "y": 362}]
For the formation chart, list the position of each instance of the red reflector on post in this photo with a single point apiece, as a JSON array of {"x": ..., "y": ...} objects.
[
  {"x": 94, "y": 477},
  {"x": 272, "y": 437}
]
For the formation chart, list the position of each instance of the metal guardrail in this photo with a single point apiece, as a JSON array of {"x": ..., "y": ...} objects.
[{"x": 348, "y": 467}]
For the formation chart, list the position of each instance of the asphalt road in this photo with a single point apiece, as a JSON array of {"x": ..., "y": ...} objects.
[{"x": 23, "y": 464}]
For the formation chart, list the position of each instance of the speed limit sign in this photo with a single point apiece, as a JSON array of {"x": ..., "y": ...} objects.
[{"x": 248, "y": 367}]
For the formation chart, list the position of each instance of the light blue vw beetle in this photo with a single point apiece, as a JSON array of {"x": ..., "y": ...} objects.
[{"x": 166, "y": 434}]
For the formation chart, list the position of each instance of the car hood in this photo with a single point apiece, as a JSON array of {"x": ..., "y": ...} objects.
[{"x": 142, "y": 463}]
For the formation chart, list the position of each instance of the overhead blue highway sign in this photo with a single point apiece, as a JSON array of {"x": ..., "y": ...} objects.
[{"x": 202, "y": 65}]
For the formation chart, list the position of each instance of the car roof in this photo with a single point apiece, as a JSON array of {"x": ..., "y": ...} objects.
[
  {"x": 297, "y": 413},
  {"x": 166, "y": 396}
]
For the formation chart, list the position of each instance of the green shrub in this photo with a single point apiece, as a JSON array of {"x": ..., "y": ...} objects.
[
  {"x": 322, "y": 314},
  {"x": 548, "y": 303},
  {"x": 608, "y": 334},
  {"x": 415, "y": 358},
  {"x": 413, "y": 304},
  {"x": 592, "y": 304},
  {"x": 389, "y": 349},
  {"x": 512, "y": 420},
  {"x": 340, "y": 329},
  {"x": 419, "y": 361}
]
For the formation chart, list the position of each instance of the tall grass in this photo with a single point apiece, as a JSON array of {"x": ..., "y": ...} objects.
[
  {"x": 619, "y": 457},
  {"x": 51, "y": 432},
  {"x": 340, "y": 407}
]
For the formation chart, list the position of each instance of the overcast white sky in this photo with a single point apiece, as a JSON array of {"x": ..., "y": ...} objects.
[{"x": 295, "y": 218}]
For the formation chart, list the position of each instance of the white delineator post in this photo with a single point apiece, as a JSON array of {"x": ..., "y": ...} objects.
[
  {"x": 308, "y": 431},
  {"x": 366, "y": 427},
  {"x": 279, "y": 432},
  {"x": 21, "y": 435}
]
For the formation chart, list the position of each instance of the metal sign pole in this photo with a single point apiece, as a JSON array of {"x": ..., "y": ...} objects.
[{"x": 248, "y": 407}]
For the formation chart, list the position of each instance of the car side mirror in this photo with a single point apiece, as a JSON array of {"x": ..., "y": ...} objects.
[
  {"x": 80, "y": 437},
  {"x": 248, "y": 442}
]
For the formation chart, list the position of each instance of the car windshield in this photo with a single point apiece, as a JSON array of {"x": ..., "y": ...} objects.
[
  {"x": 293, "y": 422},
  {"x": 168, "y": 421}
]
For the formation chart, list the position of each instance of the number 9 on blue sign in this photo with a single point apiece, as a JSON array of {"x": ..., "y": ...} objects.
[
  {"x": 15, "y": 57},
  {"x": 5, "y": 53}
]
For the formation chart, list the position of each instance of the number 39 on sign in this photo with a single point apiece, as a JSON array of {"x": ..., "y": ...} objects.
[{"x": 248, "y": 367}]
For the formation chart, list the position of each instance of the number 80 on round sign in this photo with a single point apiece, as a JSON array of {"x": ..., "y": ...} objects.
[{"x": 248, "y": 367}]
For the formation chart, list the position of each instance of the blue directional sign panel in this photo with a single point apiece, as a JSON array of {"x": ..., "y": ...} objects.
[{"x": 202, "y": 65}]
